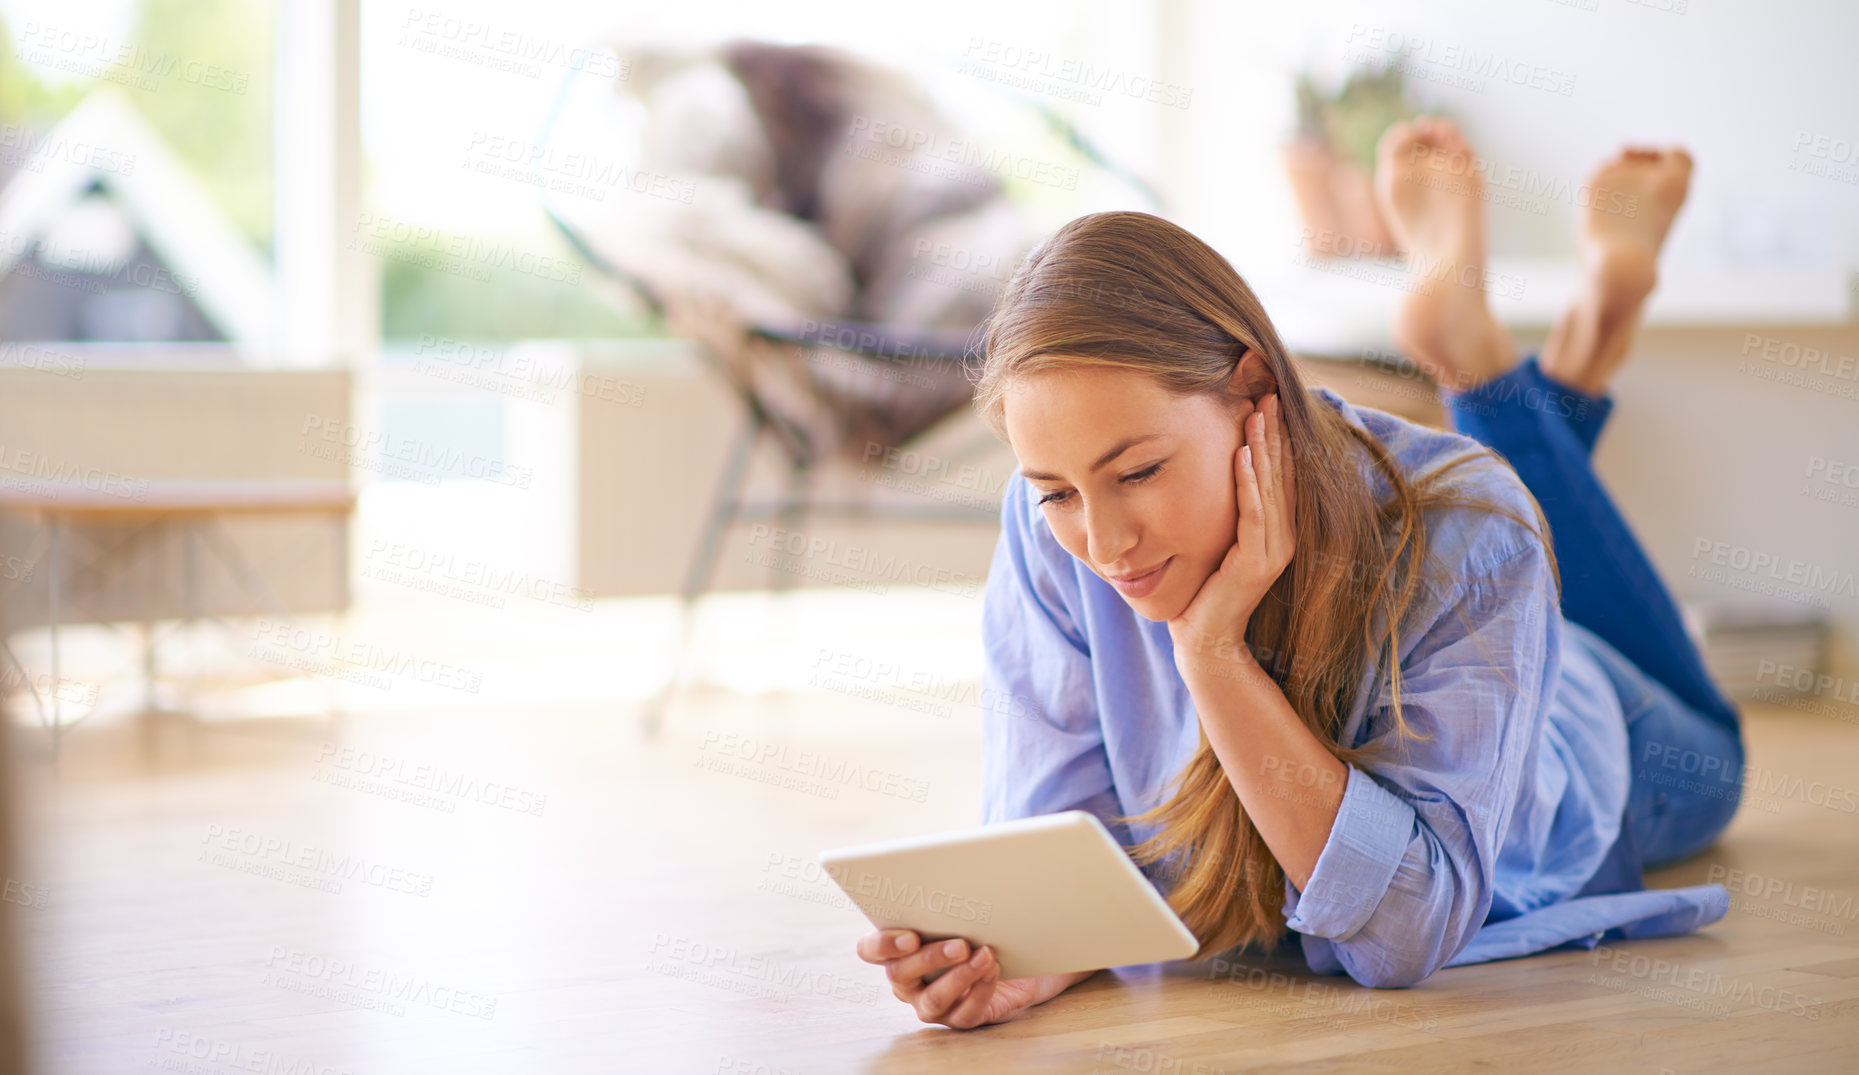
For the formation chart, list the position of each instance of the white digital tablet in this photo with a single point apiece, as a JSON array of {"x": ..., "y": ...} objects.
[{"x": 1052, "y": 894}]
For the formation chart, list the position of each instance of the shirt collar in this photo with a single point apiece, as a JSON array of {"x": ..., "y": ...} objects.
[
  {"x": 1349, "y": 413},
  {"x": 1369, "y": 471}
]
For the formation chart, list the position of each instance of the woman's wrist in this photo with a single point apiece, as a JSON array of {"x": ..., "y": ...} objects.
[{"x": 1201, "y": 654}]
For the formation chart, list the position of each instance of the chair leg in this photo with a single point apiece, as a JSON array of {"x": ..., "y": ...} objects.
[
  {"x": 703, "y": 564},
  {"x": 782, "y": 570},
  {"x": 151, "y": 672},
  {"x": 52, "y": 613}
]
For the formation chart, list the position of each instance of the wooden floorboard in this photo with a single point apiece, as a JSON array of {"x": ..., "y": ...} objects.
[{"x": 661, "y": 916}]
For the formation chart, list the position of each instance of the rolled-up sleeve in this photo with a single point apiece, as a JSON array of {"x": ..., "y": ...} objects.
[
  {"x": 1042, "y": 739},
  {"x": 1405, "y": 879}
]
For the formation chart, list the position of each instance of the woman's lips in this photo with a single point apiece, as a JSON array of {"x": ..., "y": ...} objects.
[{"x": 1144, "y": 585}]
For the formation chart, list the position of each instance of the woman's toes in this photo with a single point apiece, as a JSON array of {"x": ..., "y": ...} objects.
[
  {"x": 1637, "y": 195},
  {"x": 1430, "y": 194},
  {"x": 1395, "y": 145}
]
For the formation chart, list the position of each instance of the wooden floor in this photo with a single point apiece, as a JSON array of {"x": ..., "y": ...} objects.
[{"x": 250, "y": 902}]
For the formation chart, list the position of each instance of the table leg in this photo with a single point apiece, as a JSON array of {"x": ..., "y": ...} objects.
[{"x": 54, "y": 572}]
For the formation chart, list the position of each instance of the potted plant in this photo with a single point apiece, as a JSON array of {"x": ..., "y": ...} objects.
[{"x": 1331, "y": 161}]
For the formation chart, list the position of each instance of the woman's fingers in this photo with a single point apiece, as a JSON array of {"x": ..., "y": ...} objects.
[
  {"x": 972, "y": 1008},
  {"x": 910, "y": 970},
  {"x": 1272, "y": 480},
  {"x": 1265, "y": 463},
  {"x": 1252, "y": 508},
  {"x": 935, "y": 1002},
  {"x": 959, "y": 997},
  {"x": 881, "y": 946}
]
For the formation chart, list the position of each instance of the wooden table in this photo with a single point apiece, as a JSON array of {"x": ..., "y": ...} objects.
[{"x": 194, "y": 507}]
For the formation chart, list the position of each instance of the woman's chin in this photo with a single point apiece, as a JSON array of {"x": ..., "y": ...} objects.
[{"x": 1158, "y": 607}]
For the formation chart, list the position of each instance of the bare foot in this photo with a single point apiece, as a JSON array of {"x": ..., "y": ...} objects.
[
  {"x": 1433, "y": 198},
  {"x": 1634, "y": 198}
]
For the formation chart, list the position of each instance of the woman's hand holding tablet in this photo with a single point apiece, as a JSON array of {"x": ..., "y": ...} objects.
[
  {"x": 971, "y": 994},
  {"x": 977, "y": 925}
]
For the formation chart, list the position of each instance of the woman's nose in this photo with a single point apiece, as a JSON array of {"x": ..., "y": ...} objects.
[{"x": 1108, "y": 534}]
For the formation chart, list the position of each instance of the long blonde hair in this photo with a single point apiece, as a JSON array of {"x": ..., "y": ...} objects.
[{"x": 1134, "y": 291}]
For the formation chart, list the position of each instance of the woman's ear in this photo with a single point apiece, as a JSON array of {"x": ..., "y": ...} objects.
[{"x": 1253, "y": 378}]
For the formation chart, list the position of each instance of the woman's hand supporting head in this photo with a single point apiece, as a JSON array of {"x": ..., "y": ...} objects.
[{"x": 1213, "y": 625}]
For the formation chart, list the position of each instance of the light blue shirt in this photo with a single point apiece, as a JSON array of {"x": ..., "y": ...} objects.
[{"x": 1496, "y": 837}]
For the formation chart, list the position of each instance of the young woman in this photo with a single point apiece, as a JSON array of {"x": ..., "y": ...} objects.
[{"x": 1323, "y": 670}]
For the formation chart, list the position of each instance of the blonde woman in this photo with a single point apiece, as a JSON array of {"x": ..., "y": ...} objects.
[{"x": 1402, "y": 698}]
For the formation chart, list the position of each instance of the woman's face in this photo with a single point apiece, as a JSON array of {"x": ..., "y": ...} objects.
[{"x": 1131, "y": 478}]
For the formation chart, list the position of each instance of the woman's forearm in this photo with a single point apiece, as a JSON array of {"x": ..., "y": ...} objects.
[{"x": 1290, "y": 785}]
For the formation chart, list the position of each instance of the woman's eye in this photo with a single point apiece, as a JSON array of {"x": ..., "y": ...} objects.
[{"x": 1133, "y": 479}]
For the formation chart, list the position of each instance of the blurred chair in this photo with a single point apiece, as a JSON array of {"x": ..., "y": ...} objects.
[{"x": 801, "y": 214}]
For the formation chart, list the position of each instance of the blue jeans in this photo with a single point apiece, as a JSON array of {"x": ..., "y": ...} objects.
[{"x": 1685, "y": 736}]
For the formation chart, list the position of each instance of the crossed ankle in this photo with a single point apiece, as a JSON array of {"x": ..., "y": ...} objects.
[
  {"x": 1623, "y": 280},
  {"x": 1581, "y": 397}
]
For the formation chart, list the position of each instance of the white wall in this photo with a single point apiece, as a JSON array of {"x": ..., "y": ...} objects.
[
  {"x": 1700, "y": 449},
  {"x": 1737, "y": 84}
]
